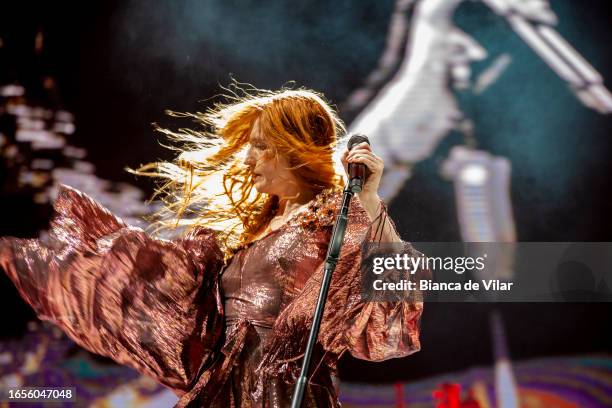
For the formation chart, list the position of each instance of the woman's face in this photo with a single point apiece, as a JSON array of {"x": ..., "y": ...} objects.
[{"x": 271, "y": 173}]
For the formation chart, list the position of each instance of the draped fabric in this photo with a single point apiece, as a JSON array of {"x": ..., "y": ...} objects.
[{"x": 219, "y": 335}]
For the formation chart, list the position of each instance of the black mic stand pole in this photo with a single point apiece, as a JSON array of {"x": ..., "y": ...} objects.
[{"x": 331, "y": 259}]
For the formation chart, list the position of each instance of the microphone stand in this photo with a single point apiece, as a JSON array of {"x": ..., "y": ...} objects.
[{"x": 331, "y": 259}]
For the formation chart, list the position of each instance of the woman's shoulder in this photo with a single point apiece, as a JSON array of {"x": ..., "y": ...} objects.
[{"x": 322, "y": 210}]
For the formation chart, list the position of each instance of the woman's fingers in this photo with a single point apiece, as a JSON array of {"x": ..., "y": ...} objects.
[
  {"x": 362, "y": 145},
  {"x": 373, "y": 163},
  {"x": 361, "y": 148},
  {"x": 375, "y": 170},
  {"x": 361, "y": 153}
]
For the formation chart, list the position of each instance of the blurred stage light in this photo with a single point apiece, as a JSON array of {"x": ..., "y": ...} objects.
[
  {"x": 482, "y": 188},
  {"x": 506, "y": 389},
  {"x": 484, "y": 208}
]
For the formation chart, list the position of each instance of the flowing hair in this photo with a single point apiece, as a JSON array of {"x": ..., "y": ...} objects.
[{"x": 208, "y": 183}]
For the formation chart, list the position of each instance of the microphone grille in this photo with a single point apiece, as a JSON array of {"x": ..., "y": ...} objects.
[{"x": 356, "y": 139}]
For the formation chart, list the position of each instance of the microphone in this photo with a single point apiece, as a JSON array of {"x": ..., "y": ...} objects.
[{"x": 356, "y": 171}]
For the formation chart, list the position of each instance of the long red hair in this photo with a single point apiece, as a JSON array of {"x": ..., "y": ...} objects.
[{"x": 209, "y": 185}]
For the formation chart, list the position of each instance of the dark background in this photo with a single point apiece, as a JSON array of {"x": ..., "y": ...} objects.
[{"x": 120, "y": 64}]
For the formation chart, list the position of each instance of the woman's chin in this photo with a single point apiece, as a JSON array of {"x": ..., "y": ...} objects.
[{"x": 260, "y": 188}]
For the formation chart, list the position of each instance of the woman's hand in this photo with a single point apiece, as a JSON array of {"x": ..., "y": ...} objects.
[{"x": 362, "y": 153}]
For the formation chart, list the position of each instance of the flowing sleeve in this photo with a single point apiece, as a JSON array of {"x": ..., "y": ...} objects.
[
  {"x": 380, "y": 329},
  {"x": 151, "y": 304}
]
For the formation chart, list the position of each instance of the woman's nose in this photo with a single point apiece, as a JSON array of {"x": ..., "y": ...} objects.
[{"x": 249, "y": 160}]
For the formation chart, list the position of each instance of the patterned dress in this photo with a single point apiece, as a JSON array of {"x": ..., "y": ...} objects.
[{"x": 218, "y": 334}]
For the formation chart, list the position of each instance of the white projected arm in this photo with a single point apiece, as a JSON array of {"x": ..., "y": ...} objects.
[
  {"x": 413, "y": 112},
  {"x": 532, "y": 20},
  {"x": 416, "y": 108}
]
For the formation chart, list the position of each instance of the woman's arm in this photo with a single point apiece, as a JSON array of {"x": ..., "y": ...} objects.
[
  {"x": 382, "y": 226},
  {"x": 148, "y": 303},
  {"x": 379, "y": 330}
]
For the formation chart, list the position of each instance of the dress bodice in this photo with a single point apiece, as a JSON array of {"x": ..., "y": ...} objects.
[{"x": 251, "y": 288}]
